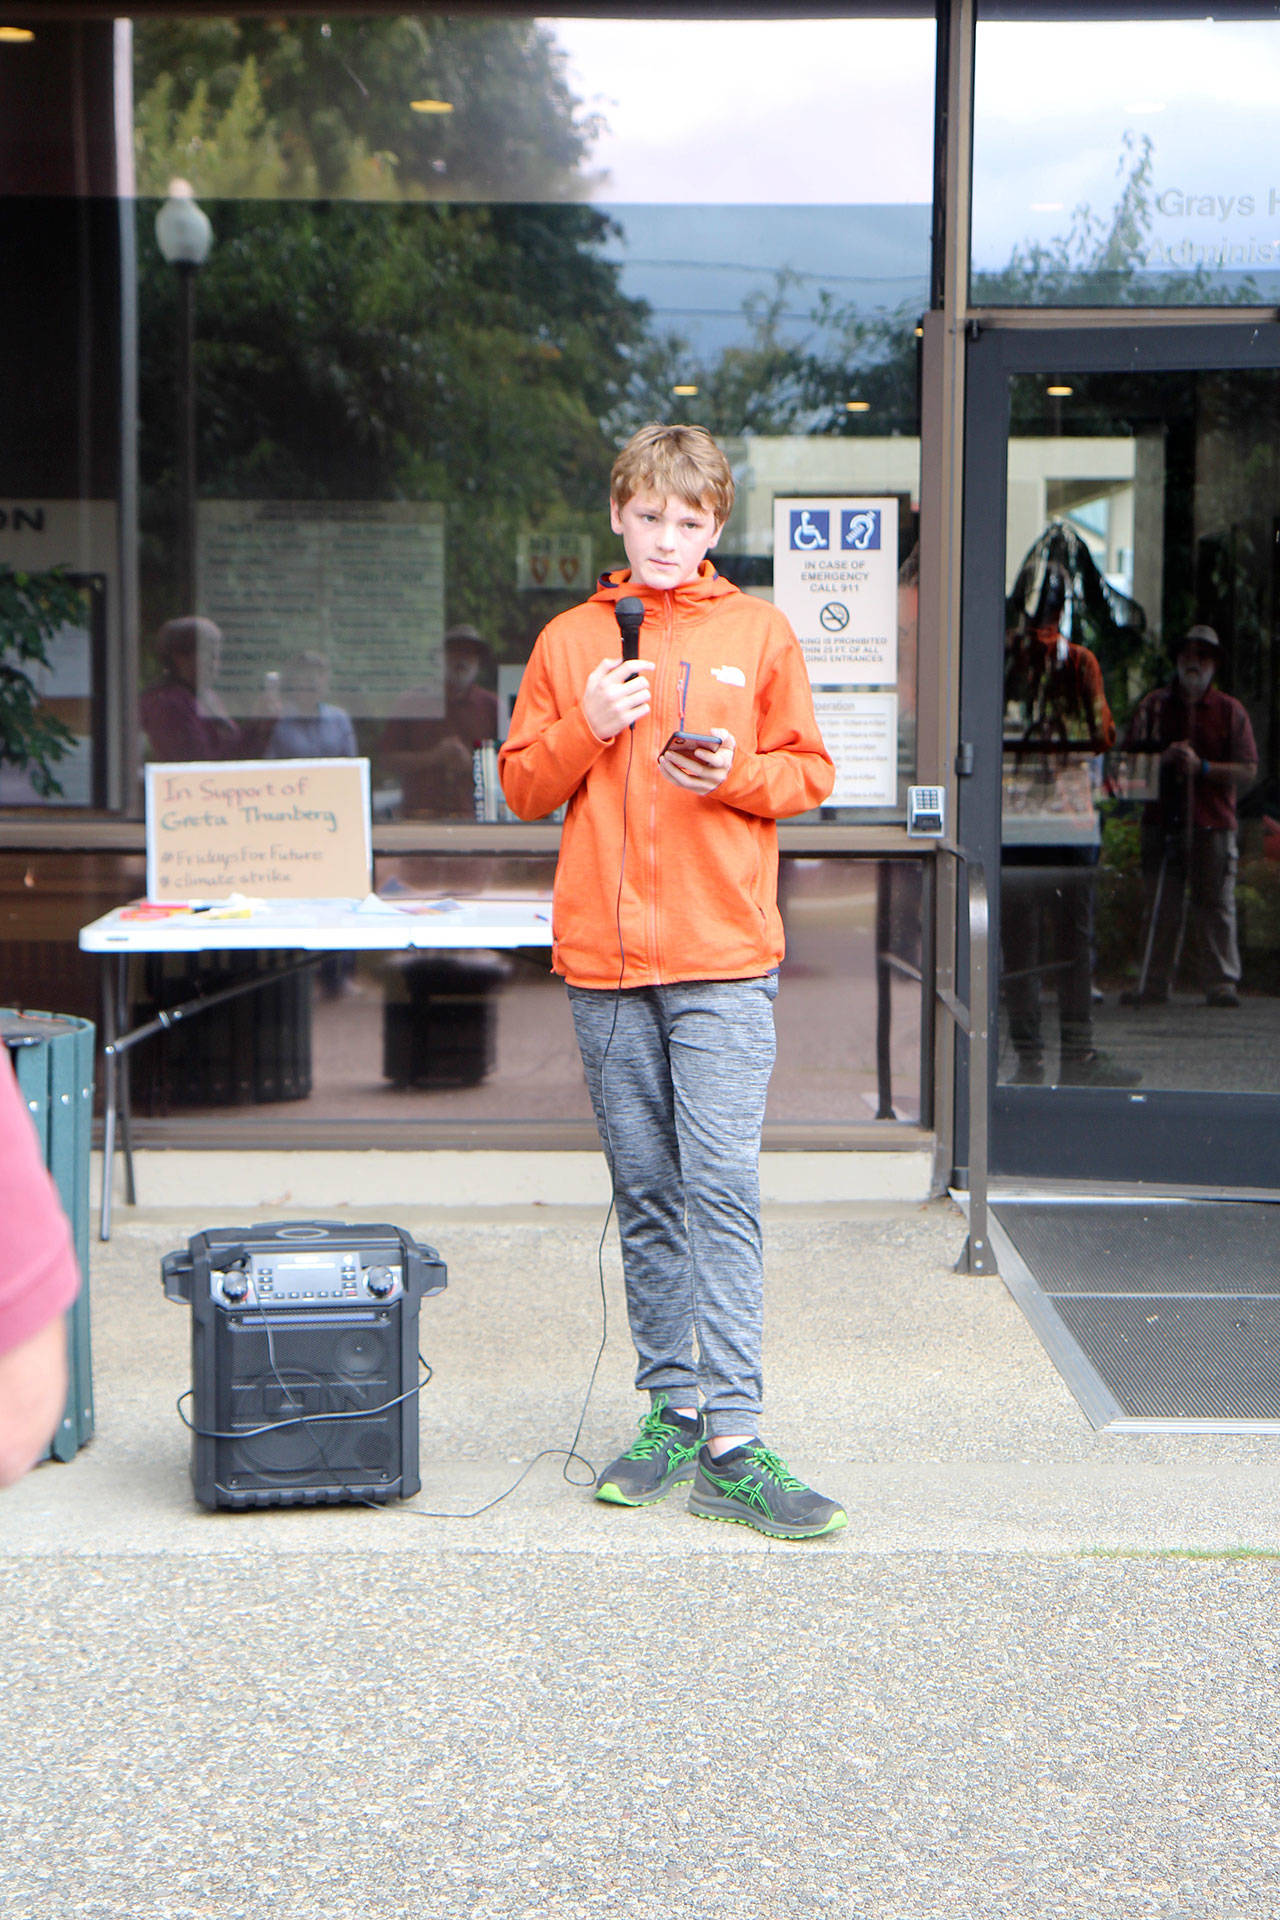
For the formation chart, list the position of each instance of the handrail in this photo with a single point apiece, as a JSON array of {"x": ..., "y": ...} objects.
[{"x": 973, "y": 1020}]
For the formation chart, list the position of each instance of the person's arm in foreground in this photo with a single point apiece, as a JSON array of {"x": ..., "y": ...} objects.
[{"x": 38, "y": 1281}]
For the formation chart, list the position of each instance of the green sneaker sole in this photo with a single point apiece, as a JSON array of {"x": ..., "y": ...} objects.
[
  {"x": 614, "y": 1496},
  {"x": 738, "y": 1516}
]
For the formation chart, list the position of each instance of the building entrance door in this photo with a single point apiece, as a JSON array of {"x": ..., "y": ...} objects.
[{"x": 1120, "y": 696}]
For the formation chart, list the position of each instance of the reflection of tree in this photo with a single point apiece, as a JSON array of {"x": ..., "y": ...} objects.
[
  {"x": 306, "y": 107},
  {"x": 771, "y": 383},
  {"x": 465, "y": 353},
  {"x": 776, "y": 382},
  {"x": 1101, "y": 259},
  {"x": 33, "y": 609}
]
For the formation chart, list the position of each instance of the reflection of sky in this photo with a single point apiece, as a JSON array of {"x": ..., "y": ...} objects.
[
  {"x": 733, "y": 150},
  {"x": 757, "y": 111},
  {"x": 1054, "y": 102},
  {"x": 696, "y": 265},
  {"x": 824, "y": 112}
]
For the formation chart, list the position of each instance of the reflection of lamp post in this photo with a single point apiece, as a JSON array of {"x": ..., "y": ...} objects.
[{"x": 184, "y": 237}]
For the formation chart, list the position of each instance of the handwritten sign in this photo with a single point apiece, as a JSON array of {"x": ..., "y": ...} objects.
[{"x": 270, "y": 829}]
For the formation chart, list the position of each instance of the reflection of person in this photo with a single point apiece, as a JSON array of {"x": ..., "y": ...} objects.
[
  {"x": 1207, "y": 756},
  {"x": 432, "y": 759},
  {"x": 184, "y": 716},
  {"x": 38, "y": 1281},
  {"x": 309, "y": 727},
  {"x": 1057, "y": 721},
  {"x": 670, "y": 946}
]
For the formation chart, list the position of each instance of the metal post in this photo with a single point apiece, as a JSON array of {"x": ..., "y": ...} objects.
[
  {"x": 186, "y": 273},
  {"x": 977, "y": 1256}
]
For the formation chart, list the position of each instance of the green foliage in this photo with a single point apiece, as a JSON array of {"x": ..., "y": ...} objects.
[
  {"x": 462, "y": 342},
  {"x": 1118, "y": 901},
  {"x": 302, "y": 107},
  {"x": 1101, "y": 259},
  {"x": 466, "y": 355},
  {"x": 33, "y": 606}
]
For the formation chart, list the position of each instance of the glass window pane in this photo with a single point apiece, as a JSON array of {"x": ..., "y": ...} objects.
[
  {"x": 535, "y": 237},
  {"x": 1121, "y": 163},
  {"x": 442, "y": 1048},
  {"x": 1140, "y": 888},
  {"x": 392, "y": 289}
]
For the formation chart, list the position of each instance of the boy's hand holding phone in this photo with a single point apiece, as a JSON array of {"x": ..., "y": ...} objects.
[{"x": 698, "y": 762}]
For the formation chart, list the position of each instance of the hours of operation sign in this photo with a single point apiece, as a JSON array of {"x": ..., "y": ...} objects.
[{"x": 835, "y": 576}]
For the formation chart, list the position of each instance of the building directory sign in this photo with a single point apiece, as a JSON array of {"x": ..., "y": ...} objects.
[{"x": 361, "y": 582}]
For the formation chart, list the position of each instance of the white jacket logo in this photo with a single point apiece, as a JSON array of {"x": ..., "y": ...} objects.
[{"x": 729, "y": 676}]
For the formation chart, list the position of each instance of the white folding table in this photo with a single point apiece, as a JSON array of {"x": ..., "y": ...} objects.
[{"x": 309, "y": 927}]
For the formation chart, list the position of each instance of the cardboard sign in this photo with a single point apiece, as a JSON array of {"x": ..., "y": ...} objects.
[
  {"x": 835, "y": 576},
  {"x": 269, "y": 829}
]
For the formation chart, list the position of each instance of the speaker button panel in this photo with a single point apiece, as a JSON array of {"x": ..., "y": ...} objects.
[{"x": 308, "y": 1278}]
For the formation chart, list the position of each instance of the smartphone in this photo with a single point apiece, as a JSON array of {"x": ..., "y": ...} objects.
[{"x": 686, "y": 742}]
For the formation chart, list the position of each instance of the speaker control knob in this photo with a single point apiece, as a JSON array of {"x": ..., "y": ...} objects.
[
  {"x": 235, "y": 1287},
  {"x": 379, "y": 1281}
]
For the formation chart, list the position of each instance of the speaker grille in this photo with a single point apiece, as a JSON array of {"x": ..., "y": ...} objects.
[{"x": 286, "y": 1373}]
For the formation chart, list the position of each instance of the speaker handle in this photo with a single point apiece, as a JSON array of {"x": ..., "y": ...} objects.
[{"x": 177, "y": 1272}]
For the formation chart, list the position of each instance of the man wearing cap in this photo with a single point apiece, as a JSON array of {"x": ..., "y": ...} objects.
[
  {"x": 431, "y": 757},
  {"x": 1207, "y": 756}
]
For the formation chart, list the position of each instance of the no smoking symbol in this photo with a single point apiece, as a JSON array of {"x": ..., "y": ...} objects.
[{"x": 834, "y": 616}]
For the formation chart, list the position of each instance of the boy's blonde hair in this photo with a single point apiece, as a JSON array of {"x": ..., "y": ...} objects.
[{"x": 676, "y": 460}]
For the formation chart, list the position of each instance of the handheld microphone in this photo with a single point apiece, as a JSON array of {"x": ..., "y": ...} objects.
[{"x": 629, "y": 614}]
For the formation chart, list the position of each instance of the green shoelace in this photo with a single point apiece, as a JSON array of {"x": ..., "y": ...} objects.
[{"x": 654, "y": 1434}]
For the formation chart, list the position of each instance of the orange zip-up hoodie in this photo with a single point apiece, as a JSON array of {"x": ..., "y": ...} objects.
[{"x": 696, "y": 894}]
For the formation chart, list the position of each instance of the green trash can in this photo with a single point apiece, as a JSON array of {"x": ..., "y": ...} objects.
[{"x": 52, "y": 1056}]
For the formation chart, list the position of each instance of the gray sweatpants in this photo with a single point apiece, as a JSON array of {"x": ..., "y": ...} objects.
[{"x": 678, "y": 1077}]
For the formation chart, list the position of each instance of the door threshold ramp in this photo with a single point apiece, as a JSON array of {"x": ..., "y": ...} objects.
[
  {"x": 1161, "y": 1312},
  {"x": 1118, "y": 1192}
]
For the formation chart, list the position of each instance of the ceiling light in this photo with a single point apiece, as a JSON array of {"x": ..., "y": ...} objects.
[
  {"x": 1047, "y": 206},
  {"x": 684, "y": 389},
  {"x": 1059, "y": 393},
  {"x": 16, "y": 36},
  {"x": 432, "y": 106},
  {"x": 857, "y": 406}
]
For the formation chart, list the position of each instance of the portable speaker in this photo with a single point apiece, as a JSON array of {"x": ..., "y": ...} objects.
[{"x": 304, "y": 1360}]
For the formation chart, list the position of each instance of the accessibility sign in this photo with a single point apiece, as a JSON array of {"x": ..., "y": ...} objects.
[{"x": 835, "y": 576}]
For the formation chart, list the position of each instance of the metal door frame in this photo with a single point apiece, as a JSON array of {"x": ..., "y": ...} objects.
[{"x": 1205, "y": 1141}]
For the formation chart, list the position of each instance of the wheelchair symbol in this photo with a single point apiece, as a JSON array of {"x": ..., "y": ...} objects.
[{"x": 810, "y": 529}]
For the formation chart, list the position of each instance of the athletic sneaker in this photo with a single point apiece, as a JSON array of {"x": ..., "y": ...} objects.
[
  {"x": 752, "y": 1486},
  {"x": 659, "y": 1458}
]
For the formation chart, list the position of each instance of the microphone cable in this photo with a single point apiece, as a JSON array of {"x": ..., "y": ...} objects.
[{"x": 569, "y": 1454}]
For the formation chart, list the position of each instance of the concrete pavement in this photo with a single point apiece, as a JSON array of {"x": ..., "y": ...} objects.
[{"x": 1034, "y": 1676}]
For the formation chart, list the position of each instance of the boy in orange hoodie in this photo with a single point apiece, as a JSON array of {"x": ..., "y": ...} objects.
[{"x": 667, "y": 931}]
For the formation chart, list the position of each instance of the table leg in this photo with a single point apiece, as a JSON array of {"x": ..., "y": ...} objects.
[{"x": 110, "y": 1093}]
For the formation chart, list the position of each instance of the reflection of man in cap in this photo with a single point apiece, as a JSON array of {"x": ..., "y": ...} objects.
[
  {"x": 432, "y": 759},
  {"x": 1207, "y": 756}
]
